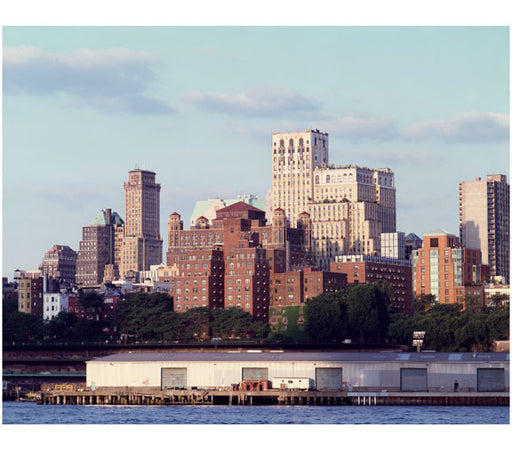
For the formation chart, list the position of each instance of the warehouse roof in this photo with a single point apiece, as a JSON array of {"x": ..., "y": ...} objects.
[{"x": 276, "y": 356}]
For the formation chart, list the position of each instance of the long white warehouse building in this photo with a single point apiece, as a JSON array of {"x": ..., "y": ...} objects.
[{"x": 358, "y": 371}]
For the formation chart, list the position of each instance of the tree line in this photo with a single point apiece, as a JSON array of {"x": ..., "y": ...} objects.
[{"x": 362, "y": 313}]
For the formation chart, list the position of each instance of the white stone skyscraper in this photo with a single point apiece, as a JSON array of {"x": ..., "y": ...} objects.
[
  {"x": 484, "y": 221},
  {"x": 294, "y": 157},
  {"x": 349, "y": 206},
  {"x": 142, "y": 243}
]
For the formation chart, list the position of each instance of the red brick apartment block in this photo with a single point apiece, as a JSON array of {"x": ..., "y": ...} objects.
[{"x": 368, "y": 269}]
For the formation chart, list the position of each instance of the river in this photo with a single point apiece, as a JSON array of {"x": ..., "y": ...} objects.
[{"x": 32, "y": 413}]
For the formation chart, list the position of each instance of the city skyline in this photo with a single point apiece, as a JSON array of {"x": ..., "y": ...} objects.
[{"x": 198, "y": 106}]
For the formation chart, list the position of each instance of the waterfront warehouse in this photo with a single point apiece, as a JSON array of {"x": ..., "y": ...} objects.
[{"x": 349, "y": 371}]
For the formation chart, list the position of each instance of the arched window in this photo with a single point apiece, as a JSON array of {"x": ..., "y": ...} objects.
[
  {"x": 317, "y": 179},
  {"x": 328, "y": 179}
]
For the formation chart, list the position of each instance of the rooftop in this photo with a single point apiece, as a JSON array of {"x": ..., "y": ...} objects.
[{"x": 256, "y": 355}]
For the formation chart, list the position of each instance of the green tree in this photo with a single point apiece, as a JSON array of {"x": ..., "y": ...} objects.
[
  {"x": 20, "y": 327},
  {"x": 60, "y": 328},
  {"x": 424, "y": 302},
  {"x": 143, "y": 315},
  {"x": 367, "y": 311},
  {"x": 325, "y": 318}
]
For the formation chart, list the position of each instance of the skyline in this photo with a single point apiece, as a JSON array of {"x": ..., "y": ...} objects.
[{"x": 193, "y": 103}]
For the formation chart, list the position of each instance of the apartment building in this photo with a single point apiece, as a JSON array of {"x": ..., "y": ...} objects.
[
  {"x": 30, "y": 293},
  {"x": 98, "y": 255},
  {"x": 294, "y": 157},
  {"x": 59, "y": 262},
  {"x": 448, "y": 270},
  {"x": 348, "y": 206},
  {"x": 361, "y": 269},
  {"x": 484, "y": 221}
]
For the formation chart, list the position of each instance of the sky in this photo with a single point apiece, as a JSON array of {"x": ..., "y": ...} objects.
[{"x": 82, "y": 106}]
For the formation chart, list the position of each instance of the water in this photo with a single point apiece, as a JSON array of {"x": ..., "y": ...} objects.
[{"x": 31, "y": 413}]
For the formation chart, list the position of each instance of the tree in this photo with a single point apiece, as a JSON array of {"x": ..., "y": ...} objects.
[
  {"x": 61, "y": 326},
  {"x": 144, "y": 315},
  {"x": 367, "y": 310},
  {"x": 325, "y": 318},
  {"x": 424, "y": 302}
]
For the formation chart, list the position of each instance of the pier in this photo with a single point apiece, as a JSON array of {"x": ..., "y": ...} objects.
[{"x": 154, "y": 396}]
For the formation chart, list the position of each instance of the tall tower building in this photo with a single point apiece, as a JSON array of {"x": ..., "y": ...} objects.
[
  {"x": 484, "y": 221},
  {"x": 99, "y": 248},
  {"x": 142, "y": 243},
  {"x": 294, "y": 157}
]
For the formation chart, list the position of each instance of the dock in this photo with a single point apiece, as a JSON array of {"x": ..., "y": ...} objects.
[{"x": 155, "y": 396}]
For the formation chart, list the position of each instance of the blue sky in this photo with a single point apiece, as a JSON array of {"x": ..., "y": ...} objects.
[{"x": 84, "y": 105}]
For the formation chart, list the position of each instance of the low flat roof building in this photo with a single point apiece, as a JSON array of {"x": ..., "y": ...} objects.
[{"x": 359, "y": 371}]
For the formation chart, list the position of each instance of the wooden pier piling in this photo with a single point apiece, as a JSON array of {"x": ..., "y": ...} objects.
[{"x": 157, "y": 397}]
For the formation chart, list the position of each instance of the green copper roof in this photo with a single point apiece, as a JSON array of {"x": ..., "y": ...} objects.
[{"x": 101, "y": 219}]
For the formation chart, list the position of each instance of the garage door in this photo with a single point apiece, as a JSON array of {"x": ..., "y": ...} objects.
[
  {"x": 413, "y": 380},
  {"x": 254, "y": 373},
  {"x": 329, "y": 378},
  {"x": 490, "y": 380},
  {"x": 174, "y": 377}
]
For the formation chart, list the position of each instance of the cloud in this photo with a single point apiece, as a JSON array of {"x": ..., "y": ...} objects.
[
  {"x": 103, "y": 79},
  {"x": 255, "y": 101},
  {"x": 467, "y": 127},
  {"x": 357, "y": 128}
]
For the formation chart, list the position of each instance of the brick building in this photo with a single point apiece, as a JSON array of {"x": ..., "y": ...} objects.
[
  {"x": 98, "y": 255},
  {"x": 295, "y": 288},
  {"x": 445, "y": 268},
  {"x": 243, "y": 250},
  {"x": 60, "y": 263},
  {"x": 30, "y": 294},
  {"x": 362, "y": 269}
]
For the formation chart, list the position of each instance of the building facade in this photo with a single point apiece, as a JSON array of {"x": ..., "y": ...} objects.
[
  {"x": 446, "y": 269},
  {"x": 361, "y": 269},
  {"x": 54, "y": 303},
  {"x": 142, "y": 244},
  {"x": 392, "y": 245},
  {"x": 333, "y": 371},
  {"x": 30, "y": 294},
  {"x": 294, "y": 157},
  {"x": 235, "y": 256},
  {"x": 484, "y": 221},
  {"x": 348, "y": 206},
  {"x": 98, "y": 255},
  {"x": 60, "y": 263}
]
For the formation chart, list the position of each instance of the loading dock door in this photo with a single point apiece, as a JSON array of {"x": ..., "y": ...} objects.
[
  {"x": 329, "y": 378},
  {"x": 413, "y": 380},
  {"x": 490, "y": 380},
  {"x": 174, "y": 377},
  {"x": 254, "y": 373}
]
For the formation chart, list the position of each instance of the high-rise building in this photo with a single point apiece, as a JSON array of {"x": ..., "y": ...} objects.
[
  {"x": 60, "y": 262},
  {"x": 142, "y": 243},
  {"x": 445, "y": 268},
  {"x": 99, "y": 248},
  {"x": 349, "y": 206},
  {"x": 484, "y": 221},
  {"x": 294, "y": 157}
]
